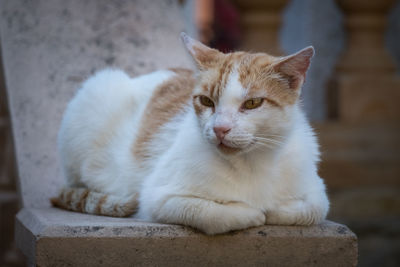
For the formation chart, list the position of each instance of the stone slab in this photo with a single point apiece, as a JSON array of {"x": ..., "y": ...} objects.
[
  {"x": 50, "y": 47},
  {"x": 53, "y": 237}
]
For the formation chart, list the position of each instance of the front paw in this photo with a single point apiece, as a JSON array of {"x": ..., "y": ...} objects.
[
  {"x": 247, "y": 215},
  {"x": 254, "y": 218},
  {"x": 240, "y": 216},
  {"x": 296, "y": 216}
]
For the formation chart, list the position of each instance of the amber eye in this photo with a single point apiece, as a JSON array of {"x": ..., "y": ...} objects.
[
  {"x": 206, "y": 101},
  {"x": 253, "y": 103}
]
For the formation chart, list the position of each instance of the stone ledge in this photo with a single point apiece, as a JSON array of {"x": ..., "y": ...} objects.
[{"x": 53, "y": 237}]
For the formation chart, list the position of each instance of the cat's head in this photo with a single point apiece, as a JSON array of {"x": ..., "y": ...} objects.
[{"x": 246, "y": 101}]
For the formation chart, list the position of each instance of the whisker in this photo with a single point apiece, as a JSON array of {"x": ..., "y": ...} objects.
[
  {"x": 271, "y": 136},
  {"x": 265, "y": 145},
  {"x": 240, "y": 140},
  {"x": 268, "y": 143},
  {"x": 274, "y": 136},
  {"x": 267, "y": 140}
]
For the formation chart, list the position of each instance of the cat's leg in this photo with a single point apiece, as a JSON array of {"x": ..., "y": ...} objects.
[
  {"x": 206, "y": 215},
  {"x": 82, "y": 199},
  {"x": 308, "y": 210}
]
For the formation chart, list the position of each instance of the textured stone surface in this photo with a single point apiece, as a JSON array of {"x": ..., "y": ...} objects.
[
  {"x": 53, "y": 237},
  {"x": 50, "y": 47}
]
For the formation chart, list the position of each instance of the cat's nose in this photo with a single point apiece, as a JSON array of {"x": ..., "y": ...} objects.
[{"x": 221, "y": 131}]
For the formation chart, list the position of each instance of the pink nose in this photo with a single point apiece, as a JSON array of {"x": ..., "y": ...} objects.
[{"x": 221, "y": 131}]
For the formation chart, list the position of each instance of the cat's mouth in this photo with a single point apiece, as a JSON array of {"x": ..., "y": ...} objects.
[{"x": 227, "y": 149}]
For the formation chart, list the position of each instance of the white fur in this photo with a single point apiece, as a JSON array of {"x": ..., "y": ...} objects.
[
  {"x": 109, "y": 98},
  {"x": 188, "y": 181}
]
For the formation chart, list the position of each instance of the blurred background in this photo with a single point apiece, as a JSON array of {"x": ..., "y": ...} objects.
[{"x": 351, "y": 96}]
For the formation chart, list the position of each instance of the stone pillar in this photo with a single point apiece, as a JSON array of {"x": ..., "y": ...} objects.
[
  {"x": 50, "y": 47},
  {"x": 368, "y": 89},
  {"x": 261, "y": 22}
]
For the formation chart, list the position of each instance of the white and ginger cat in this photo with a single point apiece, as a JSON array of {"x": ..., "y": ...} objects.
[{"x": 225, "y": 149}]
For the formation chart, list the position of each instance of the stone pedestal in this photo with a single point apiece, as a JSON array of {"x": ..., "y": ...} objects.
[
  {"x": 261, "y": 21},
  {"x": 53, "y": 237}
]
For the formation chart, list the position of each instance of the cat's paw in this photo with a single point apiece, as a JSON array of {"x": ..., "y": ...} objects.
[
  {"x": 238, "y": 216},
  {"x": 256, "y": 218},
  {"x": 249, "y": 215},
  {"x": 297, "y": 213}
]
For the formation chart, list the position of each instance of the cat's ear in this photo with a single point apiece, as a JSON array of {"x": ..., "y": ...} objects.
[
  {"x": 204, "y": 56},
  {"x": 294, "y": 67}
]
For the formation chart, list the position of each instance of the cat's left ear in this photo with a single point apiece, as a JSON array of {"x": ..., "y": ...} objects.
[
  {"x": 294, "y": 67},
  {"x": 203, "y": 56}
]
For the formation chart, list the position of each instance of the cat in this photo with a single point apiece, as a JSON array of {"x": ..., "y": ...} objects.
[{"x": 222, "y": 149}]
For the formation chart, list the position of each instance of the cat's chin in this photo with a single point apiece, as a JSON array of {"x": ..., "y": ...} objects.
[{"x": 228, "y": 149}]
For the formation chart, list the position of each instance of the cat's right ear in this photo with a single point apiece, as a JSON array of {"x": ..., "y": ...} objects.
[
  {"x": 204, "y": 56},
  {"x": 294, "y": 67}
]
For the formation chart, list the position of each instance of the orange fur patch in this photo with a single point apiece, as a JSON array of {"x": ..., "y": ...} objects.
[
  {"x": 256, "y": 73},
  {"x": 131, "y": 206},
  {"x": 168, "y": 100},
  {"x": 99, "y": 205},
  {"x": 82, "y": 201}
]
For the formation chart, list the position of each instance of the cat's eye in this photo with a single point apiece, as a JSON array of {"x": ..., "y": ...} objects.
[
  {"x": 206, "y": 101},
  {"x": 253, "y": 103}
]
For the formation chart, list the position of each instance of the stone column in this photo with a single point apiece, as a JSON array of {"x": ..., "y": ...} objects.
[
  {"x": 50, "y": 47},
  {"x": 367, "y": 87},
  {"x": 261, "y": 21}
]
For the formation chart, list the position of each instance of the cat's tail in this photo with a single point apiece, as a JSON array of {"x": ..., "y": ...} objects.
[{"x": 83, "y": 200}]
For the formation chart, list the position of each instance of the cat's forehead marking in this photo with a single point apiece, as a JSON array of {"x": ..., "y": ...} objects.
[
  {"x": 222, "y": 73},
  {"x": 233, "y": 89},
  {"x": 242, "y": 73}
]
